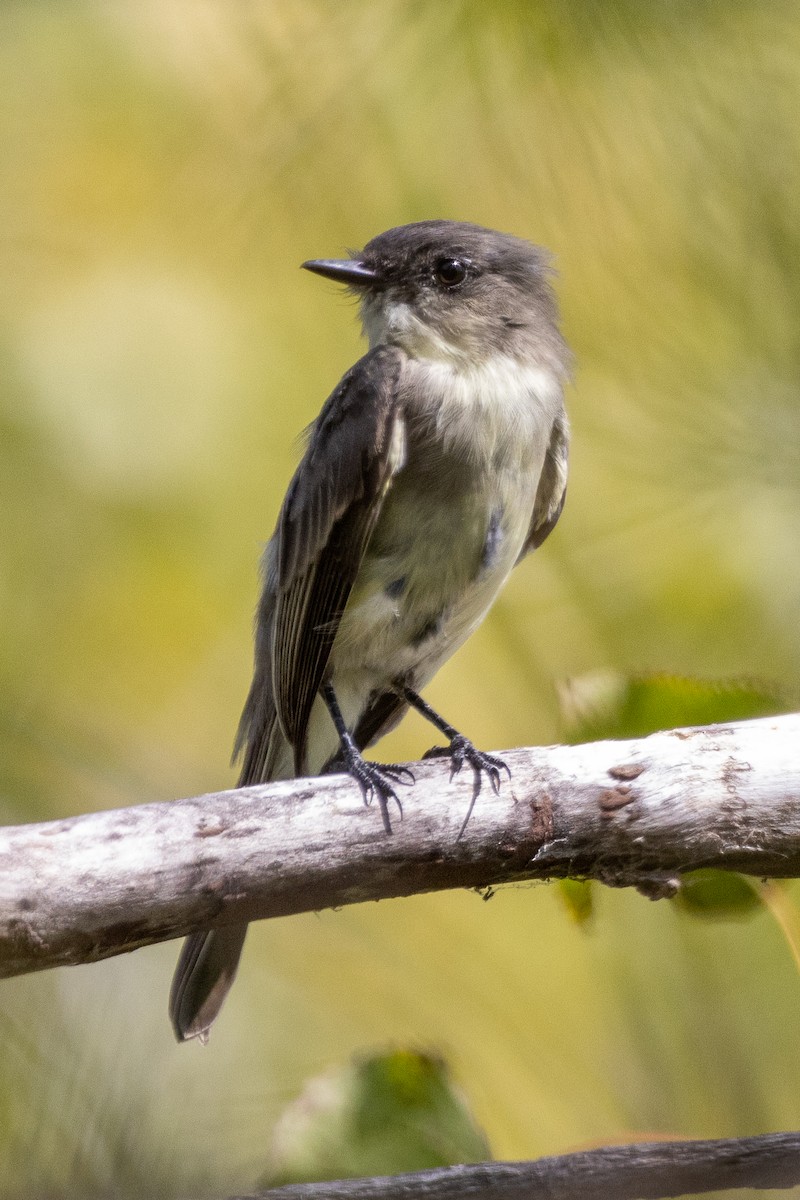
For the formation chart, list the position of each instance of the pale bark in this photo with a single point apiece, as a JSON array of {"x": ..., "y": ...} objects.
[
  {"x": 648, "y": 1171},
  {"x": 625, "y": 813}
]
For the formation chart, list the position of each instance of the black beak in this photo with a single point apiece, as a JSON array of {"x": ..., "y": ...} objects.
[{"x": 343, "y": 270}]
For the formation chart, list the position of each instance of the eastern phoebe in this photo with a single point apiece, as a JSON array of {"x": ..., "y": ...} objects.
[{"x": 437, "y": 463}]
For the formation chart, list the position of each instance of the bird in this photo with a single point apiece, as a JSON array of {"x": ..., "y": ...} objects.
[{"x": 436, "y": 465}]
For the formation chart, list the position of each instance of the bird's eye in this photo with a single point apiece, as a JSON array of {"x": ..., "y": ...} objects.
[{"x": 450, "y": 272}]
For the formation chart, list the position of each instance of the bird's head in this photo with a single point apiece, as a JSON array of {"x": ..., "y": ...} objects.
[{"x": 452, "y": 291}]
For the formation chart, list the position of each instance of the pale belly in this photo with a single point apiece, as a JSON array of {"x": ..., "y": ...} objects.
[
  {"x": 419, "y": 596},
  {"x": 452, "y": 527},
  {"x": 437, "y": 560}
]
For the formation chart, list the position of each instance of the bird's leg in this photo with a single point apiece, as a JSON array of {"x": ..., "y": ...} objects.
[
  {"x": 461, "y": 749},
  {"x": 374, "y": 779}
]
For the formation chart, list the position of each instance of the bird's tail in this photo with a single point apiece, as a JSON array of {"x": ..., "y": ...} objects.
[
  {"x": 208, "y": 960},
  {"x": 203, "y": 977}
]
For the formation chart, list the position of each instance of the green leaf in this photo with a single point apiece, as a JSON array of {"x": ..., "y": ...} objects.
[
  {"x": 578, "y": 898},
  {"x": 609, "y": 705},
  {"x": 716, "y": 894},
  {"x": 380, "y": 1115}
]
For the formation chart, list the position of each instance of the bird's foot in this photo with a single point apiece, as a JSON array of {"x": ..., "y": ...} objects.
[
  {"x": 462, "y": 750},
  {"x": 375, "y": 781}
]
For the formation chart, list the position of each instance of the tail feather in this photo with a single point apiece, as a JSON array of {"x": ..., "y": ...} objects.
[
  {"x": 208, "y": 960},
  {"x": 203, "y": 977}
]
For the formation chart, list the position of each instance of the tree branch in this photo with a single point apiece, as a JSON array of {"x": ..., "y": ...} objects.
[
  {"x": 637, "y": 812},
  {"x": 648, "y": 1171}
]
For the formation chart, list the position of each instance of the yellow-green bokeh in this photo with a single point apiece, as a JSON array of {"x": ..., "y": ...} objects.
[{"x": 165, "y": 167}]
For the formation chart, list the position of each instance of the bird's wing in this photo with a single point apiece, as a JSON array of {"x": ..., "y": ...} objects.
[
  {"x": 357, "y": 444},
  {"x": 259, "y": 739},
  {"x": 552, "y": 489}
]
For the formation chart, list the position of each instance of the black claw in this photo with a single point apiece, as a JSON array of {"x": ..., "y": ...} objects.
[
  {"x": 373, "y": 779},
  {"x": 398, "y": 772},
  {"x": 461, "y": 750},
  {"x": 437, "y": 752}
]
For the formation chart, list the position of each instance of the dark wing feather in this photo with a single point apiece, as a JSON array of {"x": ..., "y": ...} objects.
[
  {"x": 326, "y": 521},
  {"x": 256, "y": 739},
  {"x": 552, "y": 489},
  {"x": 384, "y": 711}
]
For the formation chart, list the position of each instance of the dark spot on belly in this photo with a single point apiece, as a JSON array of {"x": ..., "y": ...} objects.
[
  {"x": 428, "y": 630},
  {"x": 494, "y": 540},
  {"x": 395, "y": 589}
]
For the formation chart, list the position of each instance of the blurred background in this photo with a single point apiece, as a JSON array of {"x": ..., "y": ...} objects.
[{"x": 165, "y": 167}]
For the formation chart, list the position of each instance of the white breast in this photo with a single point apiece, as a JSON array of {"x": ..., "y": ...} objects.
[
  {"x": 498, "y": 411},
  {"x": 476, "y": 442}
]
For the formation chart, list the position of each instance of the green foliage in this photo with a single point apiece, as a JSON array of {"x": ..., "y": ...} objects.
[
  {"x": 609, "y": 705},
  {"x": 717, "y": 894},
  {"x": 165, "y": 168},
  {"x": 578, "y": 898},
  {"x": 381, "y": 1115}
]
